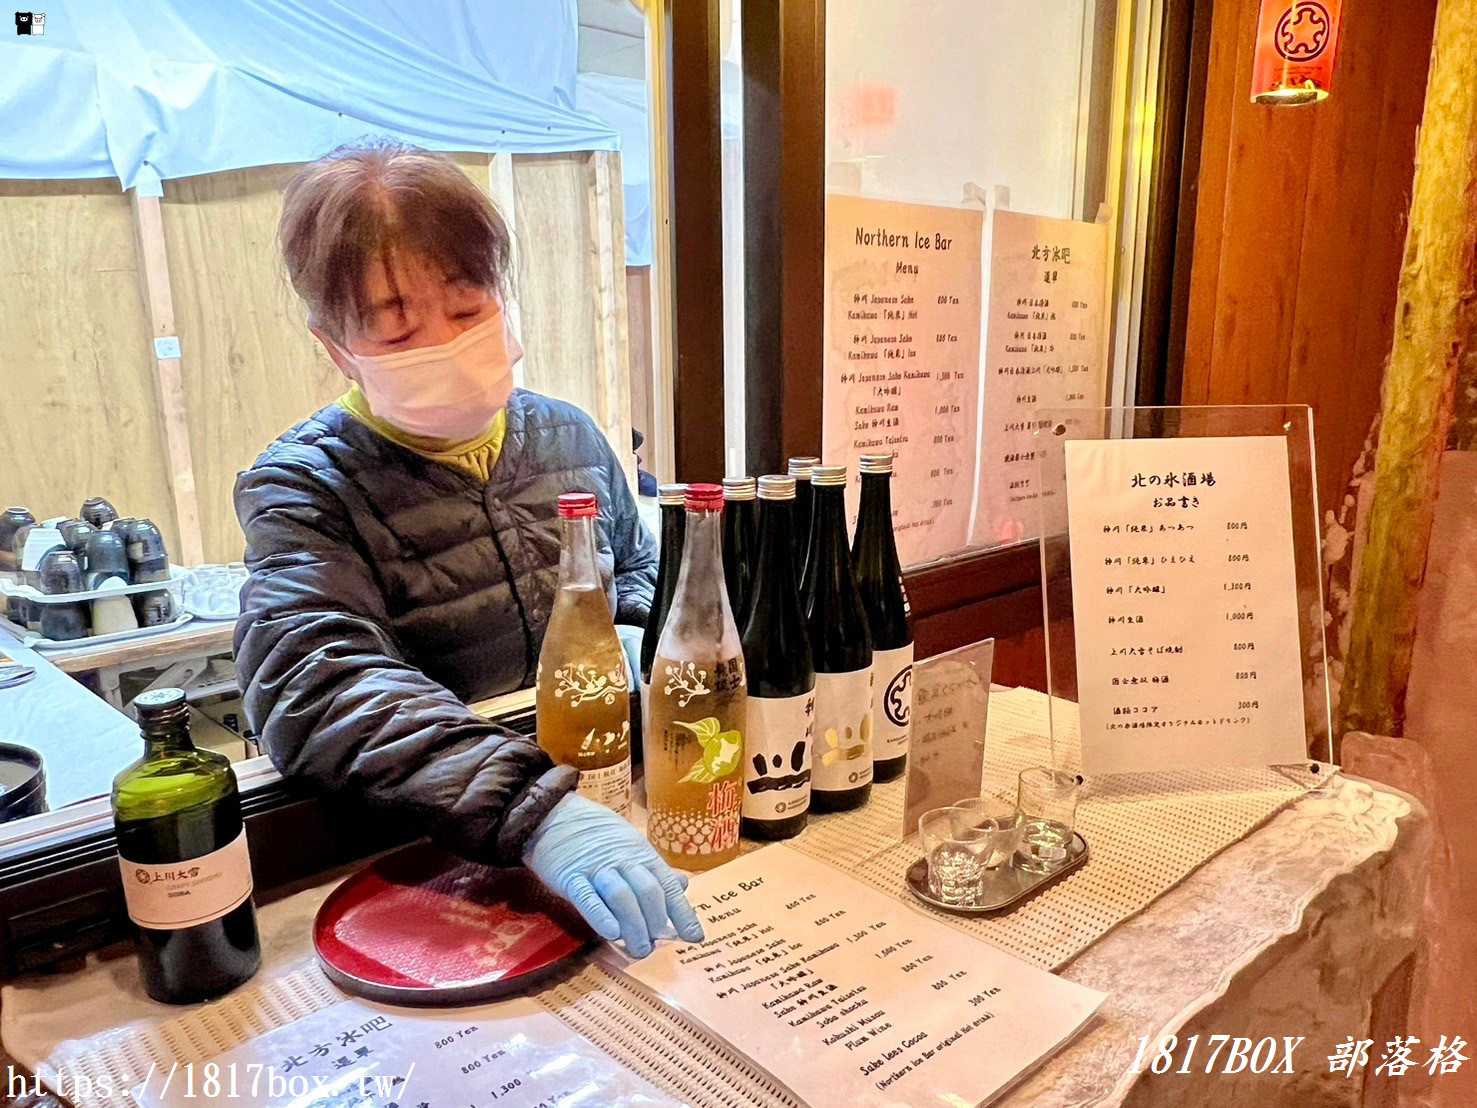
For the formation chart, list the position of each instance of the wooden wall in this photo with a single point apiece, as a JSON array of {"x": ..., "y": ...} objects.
[
  {"x": 81, "y": 414},
  {"x": 1300, "y": 227}
]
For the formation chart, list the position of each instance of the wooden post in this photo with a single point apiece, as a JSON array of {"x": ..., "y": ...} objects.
[
  {"x": 148, "y": 224},
  {"x": 500, "y": 188},
  {"x": 1433, "y": 324},
  {"x": 607, "y": 259}
]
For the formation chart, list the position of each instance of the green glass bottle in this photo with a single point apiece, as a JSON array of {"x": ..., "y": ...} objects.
[{"x": 182, "y": 851}]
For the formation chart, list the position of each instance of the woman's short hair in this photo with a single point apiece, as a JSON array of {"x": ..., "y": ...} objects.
[{"x": 361, "y": 204}]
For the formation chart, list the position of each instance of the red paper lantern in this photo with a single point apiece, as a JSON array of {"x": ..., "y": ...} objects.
[{"x": 1296, "y": 44}]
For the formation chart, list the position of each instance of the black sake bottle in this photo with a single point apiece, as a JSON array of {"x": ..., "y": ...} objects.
[
  {"x": 879, "y": 580},
  {"x": 800, "y": 469},
  {"x": 674, "y": 527},
  {"x": 779, "y": 737},
  {"x": 841, "y": 644},
  {"x": 740, "y": 543},
  {"x": 186, "y": 870}
]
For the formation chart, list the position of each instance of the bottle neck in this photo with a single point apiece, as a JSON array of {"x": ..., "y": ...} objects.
[
  {"x": 674, "y": 526},
  {"x": 776, "y": 568},
  {"x": 828, "y": 552},
  {"x": 167, "y": 738},
  {"x": 577, "y": 566},
  {"x": 701, "y": 581},
  {"x": 874, "y": 537}
]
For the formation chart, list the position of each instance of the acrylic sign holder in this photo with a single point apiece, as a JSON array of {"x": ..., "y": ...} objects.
[{"x": 1293, "y": 424}]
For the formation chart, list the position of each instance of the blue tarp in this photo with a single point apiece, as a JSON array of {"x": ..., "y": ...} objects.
[
  {"x": 621, "y": 102},
  {"x": 147, "y": 90}
]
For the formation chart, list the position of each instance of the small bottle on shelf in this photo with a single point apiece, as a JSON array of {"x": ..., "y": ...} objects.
[
  {"x": 186, "y": 869},
  {"x": 583, "y": 688}
]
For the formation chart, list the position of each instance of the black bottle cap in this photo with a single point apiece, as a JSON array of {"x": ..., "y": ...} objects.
[{"x": 158, "y": 706}]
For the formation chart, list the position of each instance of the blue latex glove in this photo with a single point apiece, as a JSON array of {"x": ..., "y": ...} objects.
[{"x": 606, "y": 869}]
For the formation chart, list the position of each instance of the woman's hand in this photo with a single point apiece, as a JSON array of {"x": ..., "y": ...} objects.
[{"x": 606, "y": 868}]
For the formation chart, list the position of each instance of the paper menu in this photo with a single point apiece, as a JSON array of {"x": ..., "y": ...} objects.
[
  {"x": 1184, "y": 598},
  {"x": 512, "y": 1054},
  {"x": 902, "y": 325},
  {"x": 1046, "y": 348},
  {"x": 848, "y": 996}
]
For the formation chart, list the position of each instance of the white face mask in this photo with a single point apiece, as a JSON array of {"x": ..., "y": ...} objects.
[{"x": 451, "y": 391}]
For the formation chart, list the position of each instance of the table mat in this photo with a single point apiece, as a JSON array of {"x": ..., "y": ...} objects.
[{"x": 1146, "y": 832}]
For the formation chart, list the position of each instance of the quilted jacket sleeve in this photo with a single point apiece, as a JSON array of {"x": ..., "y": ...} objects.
[
  {"x": 337, "y": 704},
  {"x": 635, "y": 549}
]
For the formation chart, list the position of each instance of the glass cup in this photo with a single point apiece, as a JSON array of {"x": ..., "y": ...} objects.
[
  {"x": 1047, "y": 799},
  {"x": 964, "y": 843}
]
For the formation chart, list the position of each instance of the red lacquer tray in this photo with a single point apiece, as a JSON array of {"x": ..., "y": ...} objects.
[{"x": 423, "y": 927}]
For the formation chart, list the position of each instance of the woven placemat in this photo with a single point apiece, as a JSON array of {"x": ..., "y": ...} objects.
[{"x": 1145, "y": 832}]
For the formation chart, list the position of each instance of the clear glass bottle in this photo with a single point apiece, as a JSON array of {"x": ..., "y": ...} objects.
[
  {"x": 186, "y": 868},
  {"x": 694, "y": 746},
  {"x": 879, "y": 580},
  {"x": 583, "y": 689},
  {"x": 841, "y": 643},
  {"x": 781, "y": 714}
]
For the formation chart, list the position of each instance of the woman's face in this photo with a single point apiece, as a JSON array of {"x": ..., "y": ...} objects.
[{"x": 410, "y": 303}]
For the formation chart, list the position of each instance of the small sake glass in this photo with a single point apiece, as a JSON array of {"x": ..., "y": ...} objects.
[{"x": 1047, "y": 799}]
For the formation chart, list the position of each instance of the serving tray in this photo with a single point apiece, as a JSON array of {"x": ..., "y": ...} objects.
[{"x": 1004, "y": 887}]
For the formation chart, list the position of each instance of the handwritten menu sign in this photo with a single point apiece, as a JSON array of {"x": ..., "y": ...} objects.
[
  {"x": 850, "y": 997},
  {"x": 1184, "y": 599},
  {"x": 902, "y": 322},
  {"x": 951, "y": 704},
  {"x": 512, "y": 1054},
  {"x": 1046, "y": 348}
]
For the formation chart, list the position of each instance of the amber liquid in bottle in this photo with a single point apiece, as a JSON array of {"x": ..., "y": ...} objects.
[
  {"x": 583, "y": 688},
  {"x": 694, "y": 747}
]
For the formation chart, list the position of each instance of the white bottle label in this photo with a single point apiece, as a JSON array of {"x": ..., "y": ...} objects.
[
  {"x": 610, "y": 785},
  {"x": 188, "y": 893},
  {"x": 842, "y": 757},
  {"x": 892, "y": 702},
  {"x": 777, "y": 756}
]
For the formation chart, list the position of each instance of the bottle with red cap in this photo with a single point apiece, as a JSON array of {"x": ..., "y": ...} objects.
[
  {"x": 583, "y": 683},
  {"x": 694, "y": 746}
]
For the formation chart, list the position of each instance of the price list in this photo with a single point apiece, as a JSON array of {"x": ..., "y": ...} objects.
[
  {"x": 902, "y": 323},
  {"x": 849, "y": 997},
  {"x": 1045, "y": 350},
  {"x": 1184, "y": 595}
]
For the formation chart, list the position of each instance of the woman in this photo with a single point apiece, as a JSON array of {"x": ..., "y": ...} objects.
[{"x": 403, "y": 542}]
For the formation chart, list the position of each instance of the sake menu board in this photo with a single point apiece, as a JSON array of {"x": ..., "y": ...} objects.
[
  {"x": 902, "y": 323},
  {"x": 848, "y": 996},
  {"x": 1184, "y": 603},
  {"x": 1046, "y": 348}
]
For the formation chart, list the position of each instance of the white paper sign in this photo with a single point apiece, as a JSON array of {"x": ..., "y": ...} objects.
[
  {"x": 850, "y": 997},
  {"x": 1184, "y": 598},
  {"x": 1046, "y": 348},
  {"x": 902, "y": 322},
  {"x": 512, "y": 1054}
]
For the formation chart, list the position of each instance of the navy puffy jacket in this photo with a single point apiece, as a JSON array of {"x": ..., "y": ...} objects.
[{"x": 387, "y": 590}]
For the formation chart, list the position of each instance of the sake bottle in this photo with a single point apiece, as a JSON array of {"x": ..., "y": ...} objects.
[
  {"x": 879, "y": 580},
  {"x": 800, "y": 469},
  {"x": 186, "y": 869},
  {"x": 740, "y": 541},
  {"x": 694, "y": 746},
  {"x": 841, "y": 644},
  {"x": 583, "y": 692},
  {"x": 777, "y": 742},
  {"x": 674, "y": 523}
]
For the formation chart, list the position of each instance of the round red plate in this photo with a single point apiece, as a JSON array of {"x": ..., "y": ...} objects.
[{"x": 424, "y": 927}]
